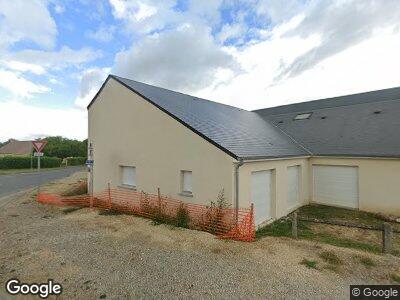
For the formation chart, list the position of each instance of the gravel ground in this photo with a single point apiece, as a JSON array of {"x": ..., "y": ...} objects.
[{"x": 125, "y": 257}]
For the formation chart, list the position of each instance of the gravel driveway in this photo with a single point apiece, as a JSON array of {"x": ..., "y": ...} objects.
[{"x": 123, "y": 257}]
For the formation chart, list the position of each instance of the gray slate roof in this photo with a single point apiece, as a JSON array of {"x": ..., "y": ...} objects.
[
  {"x": 240, "y": 133},
  {"x": 364, "y": 124},
  {"x": 344, "y": 126}
]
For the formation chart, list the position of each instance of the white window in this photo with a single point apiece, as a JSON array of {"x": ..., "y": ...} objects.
[
  {"x": 186, "y": 181},
  {"x": 303, "y": 116},
  {"x": 128, "y": 176}
]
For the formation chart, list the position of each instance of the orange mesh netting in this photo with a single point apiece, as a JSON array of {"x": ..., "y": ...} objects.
[{"x": 227, "y": 223}]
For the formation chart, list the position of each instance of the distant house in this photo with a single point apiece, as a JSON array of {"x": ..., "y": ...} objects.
[
  {"x": 14, "y": 147},
  {"x": 342, "y": 151}
]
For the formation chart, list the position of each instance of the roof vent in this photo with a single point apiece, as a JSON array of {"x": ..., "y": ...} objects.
[
  {"x": 377, "y": 112},
  {"x": 303, "y": 116}
]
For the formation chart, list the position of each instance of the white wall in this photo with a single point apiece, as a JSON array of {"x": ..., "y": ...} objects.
[{"x": 127, "y": 130}]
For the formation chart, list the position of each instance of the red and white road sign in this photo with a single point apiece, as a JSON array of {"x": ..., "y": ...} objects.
[{"x": 39, "y": 145}]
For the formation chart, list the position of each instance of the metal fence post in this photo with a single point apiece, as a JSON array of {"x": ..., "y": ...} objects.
[
  {"x": 387, "y": 235},
  {"x": 294, "y": 225}
]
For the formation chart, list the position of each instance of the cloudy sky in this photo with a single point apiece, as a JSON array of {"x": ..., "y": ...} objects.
[{"x": 55, "y": 54}]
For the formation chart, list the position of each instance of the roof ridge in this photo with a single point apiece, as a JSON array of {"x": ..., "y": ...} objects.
[
  {"x": 332, "y": 102},
  {"x": 169, "y": 90}
]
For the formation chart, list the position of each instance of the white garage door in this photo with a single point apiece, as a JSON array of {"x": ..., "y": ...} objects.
[
  {"x": 293, "y": 199},
  {"x": 261, "y": 195},
  {"x": 336, "y": 185}
]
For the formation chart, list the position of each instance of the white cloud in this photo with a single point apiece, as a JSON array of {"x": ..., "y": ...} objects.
[
  {"x": 102, "y": 34},
  {"x": 26, "y": 20},
  {"x": 20, "y": 86},
  {"x": 231, "y": 31},
  {"x": 185, "y": 59},
  {"x": 58, "y": 8},
  {"x": 91, "y": 80},
  {"x": 370, "y": 65},
  {"x": 341, "y": 25},
  {"x": 56, "y": 59},
  {"x": 21, "y": 121},
  {"x": 279, "y": 11},
  {"x": 23, "y": 67},
  {"x": 143, "y": 16}
]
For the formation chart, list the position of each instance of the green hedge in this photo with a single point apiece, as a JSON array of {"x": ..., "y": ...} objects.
[
  {"x": 76, "y": 161},
  {"x": 24, "y": 162}
]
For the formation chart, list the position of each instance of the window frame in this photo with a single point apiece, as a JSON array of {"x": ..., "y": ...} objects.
[
  {"x": 183, "y": 191},
  {"x": 126, "y": 185}
]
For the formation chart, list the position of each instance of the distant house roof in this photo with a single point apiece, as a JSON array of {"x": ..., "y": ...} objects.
[
  {"x": 356, "y": 125},
  {"x": 17, "y": 147}
]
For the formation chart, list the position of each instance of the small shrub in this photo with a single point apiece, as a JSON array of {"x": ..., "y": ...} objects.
[
  {"x": 366, "y": 261},
  {"x": 182, "y": 216},
  {"x": 330, "y": 258},
  {"x": 311, "y": 264},
  {"x": 155, "y": 211},
  {"x": 215, "y": 213}
]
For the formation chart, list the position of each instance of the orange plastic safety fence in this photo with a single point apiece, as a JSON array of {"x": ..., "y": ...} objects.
[{"x": 227, "y": 223}]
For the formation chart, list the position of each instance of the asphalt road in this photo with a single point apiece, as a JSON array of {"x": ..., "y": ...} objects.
[{"x": 13, "y": 183}]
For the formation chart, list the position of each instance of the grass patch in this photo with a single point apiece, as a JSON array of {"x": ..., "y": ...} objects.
[
  {"x": 155, "y": 223},
  {"x": 70, "y": 209},
  {"x": 333, "y": 268},
  {"x": 366, "y": 261},
  {"x": 346, "y": 243},
  {"x": 311, "y": 264},
  {"x": 110, "y": 212},
  {"x": 395, "y": 277},
  {"x": 216, "y": 250},
  {"x": 331, "y": 258},
  {"x": 325, "y": 212},
  {"x": 283, "y": 228}
]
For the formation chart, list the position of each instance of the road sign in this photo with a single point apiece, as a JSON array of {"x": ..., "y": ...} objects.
[
  {"x": 39, "y": 145},
  {"x": 37, "y": 154}
]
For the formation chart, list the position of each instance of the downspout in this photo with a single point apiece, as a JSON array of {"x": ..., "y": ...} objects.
[{"x": 237, "y": 166}]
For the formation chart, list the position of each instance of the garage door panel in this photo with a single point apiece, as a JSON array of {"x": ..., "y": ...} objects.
[
  {"x": 261, "y": 195},
  {"x": 336, "y": 185}
]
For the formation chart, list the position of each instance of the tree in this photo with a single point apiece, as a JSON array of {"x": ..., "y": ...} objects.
[{"x": 62, "y": 147}]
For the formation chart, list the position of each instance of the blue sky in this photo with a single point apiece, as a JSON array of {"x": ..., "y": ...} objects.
[{"x": 54, "y": 54}]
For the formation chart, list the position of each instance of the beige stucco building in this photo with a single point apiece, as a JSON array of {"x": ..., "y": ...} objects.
[{"x": 342, "y": 151}]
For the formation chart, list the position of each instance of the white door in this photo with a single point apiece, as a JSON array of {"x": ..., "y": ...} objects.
[
  {"x": 294, "y": 198},
  {"x": 336, "y": 185},
  {"x": 261, "y": 195}
]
